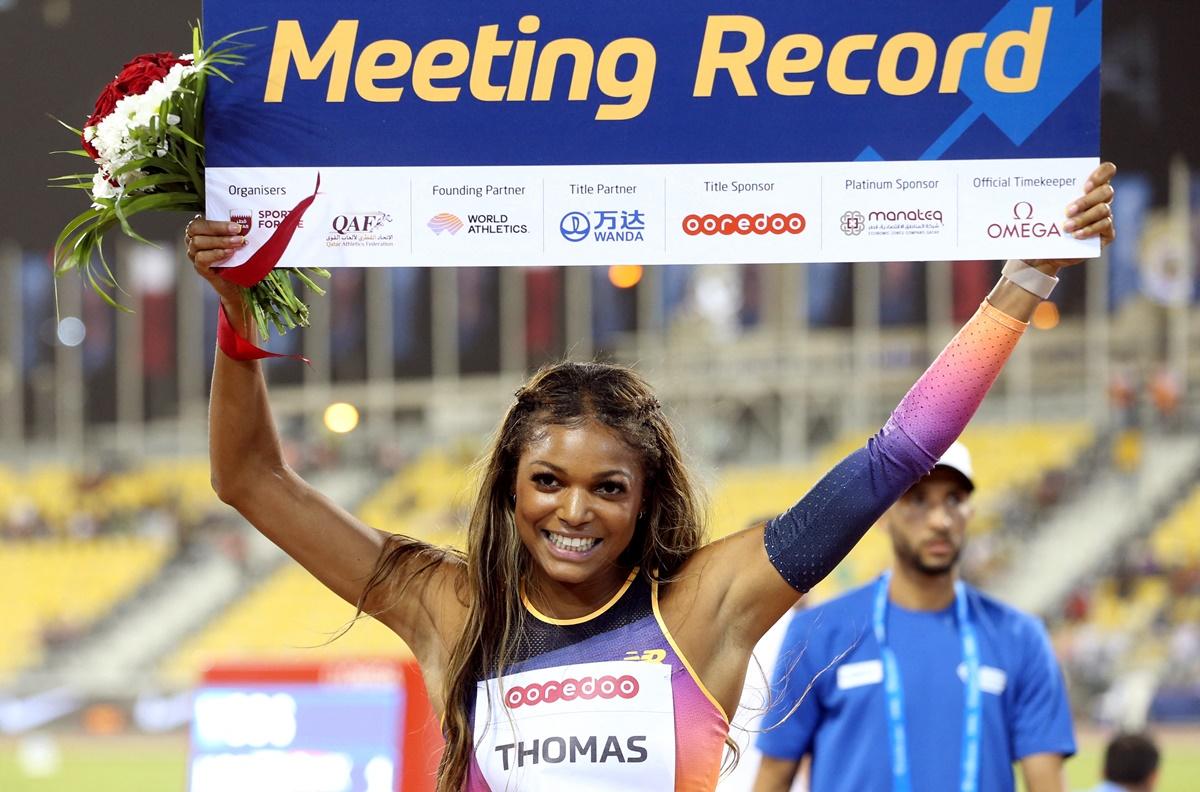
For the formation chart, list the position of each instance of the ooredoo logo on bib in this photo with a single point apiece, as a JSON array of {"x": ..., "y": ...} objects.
[{"x": 570, "y": 689}]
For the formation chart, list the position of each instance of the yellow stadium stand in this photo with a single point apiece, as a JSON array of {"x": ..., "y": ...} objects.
[
  {"x": 66, "y": 581},
  {"x": 65, "y": 585},
  {"x": 429, "y": 499},
  {"x": 289, "y": 617},
  {"x": 1132, "y": 612},
  {"x": 1176, "y": 541},
  {"x": 60, "y": 494},
  {"x": 1135, "y": 617}
]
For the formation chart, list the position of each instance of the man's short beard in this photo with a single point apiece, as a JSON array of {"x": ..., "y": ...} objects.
[{"x": 911, "y": 558}]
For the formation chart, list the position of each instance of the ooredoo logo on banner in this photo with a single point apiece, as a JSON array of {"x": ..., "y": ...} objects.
[{"x": 493, "y": 131}]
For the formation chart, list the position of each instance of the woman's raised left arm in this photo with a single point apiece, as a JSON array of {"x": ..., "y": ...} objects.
[{"x": 754, "y": 576}]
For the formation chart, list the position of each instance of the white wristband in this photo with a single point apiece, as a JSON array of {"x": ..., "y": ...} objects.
[{"x": 1029, "y": 278}]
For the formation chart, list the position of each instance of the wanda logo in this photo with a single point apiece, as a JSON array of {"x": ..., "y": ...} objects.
[{"x": 570, "y": 689}]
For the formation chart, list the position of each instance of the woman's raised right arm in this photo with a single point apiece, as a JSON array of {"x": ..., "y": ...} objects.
[{"x": 250, "y": 474}]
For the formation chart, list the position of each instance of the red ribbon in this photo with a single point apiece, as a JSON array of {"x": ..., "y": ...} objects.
[
  {"x": 236, "y": 347},
  {"x": 252, "y": 272}
]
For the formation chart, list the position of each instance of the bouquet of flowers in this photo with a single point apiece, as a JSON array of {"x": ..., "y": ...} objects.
[{"x": 144, "y": 137}]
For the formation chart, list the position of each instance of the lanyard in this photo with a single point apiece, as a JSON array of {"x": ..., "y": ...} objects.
[{"x": 973, "y": 702}]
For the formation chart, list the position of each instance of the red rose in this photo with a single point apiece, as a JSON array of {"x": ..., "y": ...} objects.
[
  {"x": 135, "y": 78},
  {"x": 143, "y": 71},
  {"x": 104, "y": 105}
]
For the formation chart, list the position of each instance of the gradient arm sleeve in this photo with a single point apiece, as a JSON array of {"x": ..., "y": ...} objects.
[{"x": 807, "y": 541}]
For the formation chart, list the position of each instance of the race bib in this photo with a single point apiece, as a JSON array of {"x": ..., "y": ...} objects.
[{"x": 592, "y": 726}]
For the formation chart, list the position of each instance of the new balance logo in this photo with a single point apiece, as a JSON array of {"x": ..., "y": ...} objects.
[{"x": 646, "y": 656}]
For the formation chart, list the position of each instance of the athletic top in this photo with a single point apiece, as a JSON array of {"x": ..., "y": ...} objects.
[
  {"x": 842, "y": 720},
  {"x": 603, "y": 702}
]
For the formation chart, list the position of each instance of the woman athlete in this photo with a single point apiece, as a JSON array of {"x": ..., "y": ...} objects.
[{"x": 588, "y": 638}]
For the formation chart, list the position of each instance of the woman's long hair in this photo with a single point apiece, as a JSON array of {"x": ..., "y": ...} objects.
[{"x": 668, "y": 531}]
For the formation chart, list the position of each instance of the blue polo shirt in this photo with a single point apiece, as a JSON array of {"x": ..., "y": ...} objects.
[{"x": 842, "y": 719}]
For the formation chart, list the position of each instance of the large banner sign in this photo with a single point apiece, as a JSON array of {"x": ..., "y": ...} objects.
[{"x": 677, "y": 131}]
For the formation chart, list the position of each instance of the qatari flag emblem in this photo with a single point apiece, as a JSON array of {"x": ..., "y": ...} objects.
[{"x": 243, "y": 219}]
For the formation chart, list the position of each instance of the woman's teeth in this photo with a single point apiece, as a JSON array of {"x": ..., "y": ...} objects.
[{"x": 577, "y": 545}]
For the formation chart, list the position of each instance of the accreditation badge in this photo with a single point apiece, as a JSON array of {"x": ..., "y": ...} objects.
[{"x": 592, "y": 726}]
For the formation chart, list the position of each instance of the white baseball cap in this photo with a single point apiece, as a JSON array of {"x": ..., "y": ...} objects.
[{"x": 958, "y": 459}]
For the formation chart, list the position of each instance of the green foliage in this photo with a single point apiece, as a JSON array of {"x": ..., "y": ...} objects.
[{"x": 172, "y": 179}]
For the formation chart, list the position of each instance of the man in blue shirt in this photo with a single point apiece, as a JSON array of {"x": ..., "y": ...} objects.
[{"x": 917, "y": 682}]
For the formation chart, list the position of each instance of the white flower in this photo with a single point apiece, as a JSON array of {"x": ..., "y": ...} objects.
[
  {"x": 101, "y": 188},
  {"x": 117, "y": 140}
]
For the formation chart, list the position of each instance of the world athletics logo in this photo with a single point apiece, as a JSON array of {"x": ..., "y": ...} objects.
[{"x": 445, "y": 221}]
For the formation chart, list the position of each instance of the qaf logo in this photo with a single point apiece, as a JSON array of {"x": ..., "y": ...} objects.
[
  {"x": 1023, "y": 225},
  {"x": 368, "y": 229},
  {"x": 444, "y": 221},
  {"x": 244, "y": 219},
  {"x": 360, "y": 223},
  {"x": 604, "y": 225}
]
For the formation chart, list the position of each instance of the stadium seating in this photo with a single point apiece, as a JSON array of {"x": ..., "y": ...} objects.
[
  {"x": 290, "y": 616},
  {"x": 1134, "y": 617},
  {"x": 61, "y": 500},
  {"x": 1176, "y": 542},
  {"x": 73, "y": 545},
  {"x": 428, "y": 499},
  {"x": 64, "y": 585},
  {"x": 1114, "y": 610}
]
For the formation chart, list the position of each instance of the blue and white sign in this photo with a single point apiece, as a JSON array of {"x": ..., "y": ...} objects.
[
  {"x": 533, "y": 132},
  {"x": 320, "y": 738}
]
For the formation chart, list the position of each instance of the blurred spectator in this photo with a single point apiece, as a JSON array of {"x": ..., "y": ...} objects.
[
  {"x": 1165, "y": 394},
  {"x": 1130, "y": 764}
]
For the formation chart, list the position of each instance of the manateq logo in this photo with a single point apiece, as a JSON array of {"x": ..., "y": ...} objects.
[
  {"x": 853, "y": 223},
  {"x": 904, "y": 222},
  {"x": 445, "y": 221}
]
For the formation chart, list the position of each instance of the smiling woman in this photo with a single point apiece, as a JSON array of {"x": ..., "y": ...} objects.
[
  {"x": 585, "y": 551},
  {"x": 574, "y": 509}
]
